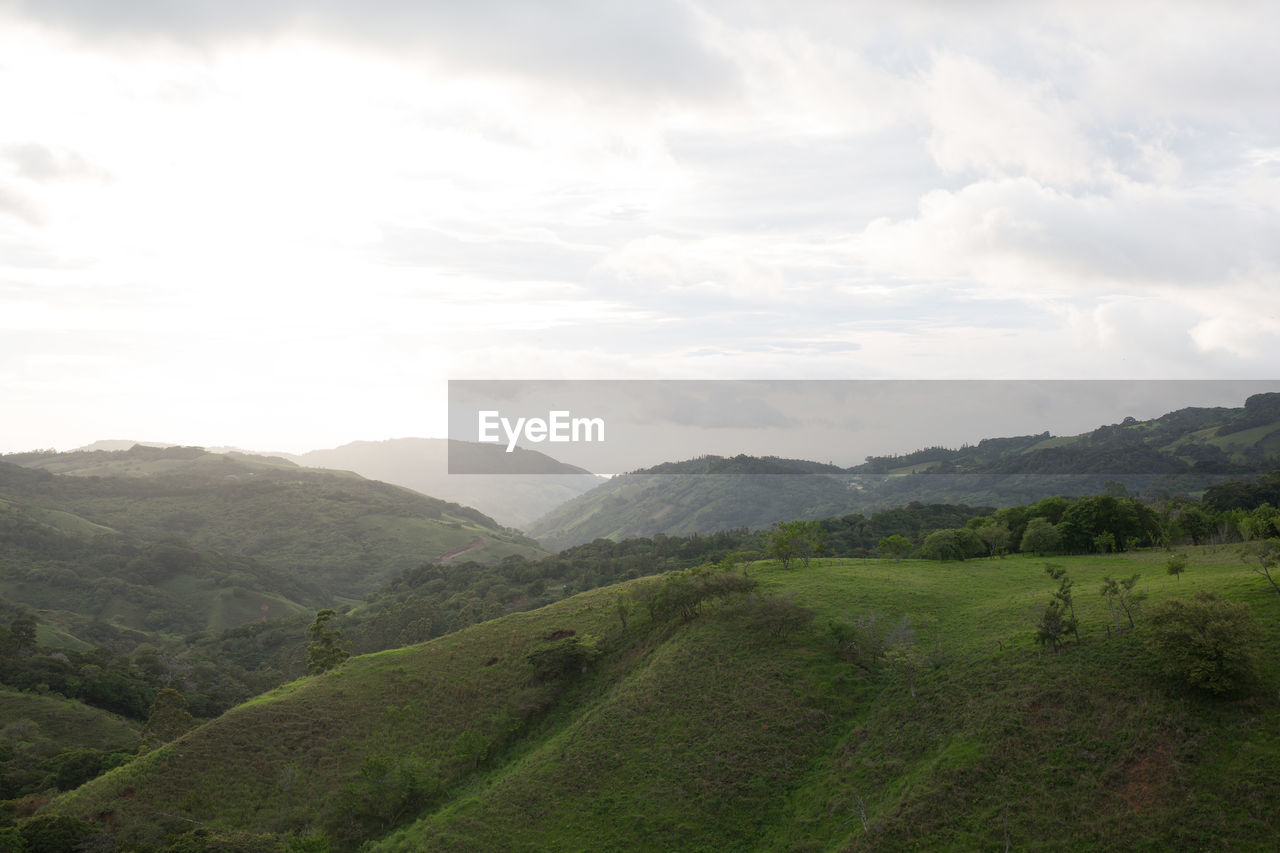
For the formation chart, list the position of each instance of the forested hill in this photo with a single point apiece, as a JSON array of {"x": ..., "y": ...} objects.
[
  {"x": 1180, "y": 452},
  {"x": 178, "y": 539},
  {"x": 1192, "y": 440},
  {"x": 697, "y": 496}
]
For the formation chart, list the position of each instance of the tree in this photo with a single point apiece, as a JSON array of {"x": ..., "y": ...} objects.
[
  {"x": 1262, "y": 557},
  {"x": 1120, "y": 591},
  {"x": 1054, "y": 625},
  {"x": 24, "y": 632},
  {"x": 1041, "y": 537},
  {"x": 168, "y": 720},
  {"x": 1209, "y": 643},
  {"x": 996, "y": 535},
  {"x": 1176, "y": 565},
  {"x": 1063, "y": 600},
  {"x": 323, "y": 652},
  {"x": 791, "y": 539},
  {"x": 953, "y": 544},
  {"x": 896, "y": 546}
]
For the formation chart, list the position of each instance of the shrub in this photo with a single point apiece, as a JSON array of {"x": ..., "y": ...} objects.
[
  {"x": 1209, "y": 643},
  {"x": 959, "y": 543},
  {"x": 778, "y": 615},
  {"x": 55, "y": 833},
  {"x": 564, "y": 658}
]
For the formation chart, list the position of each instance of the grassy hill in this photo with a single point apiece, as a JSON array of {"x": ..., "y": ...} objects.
[
  {"x": 736, "y": 729},
  {"x": 1180, "y": 452},
  {"x": 45, "y": 740},
  {"x": 151, "y": 544}
]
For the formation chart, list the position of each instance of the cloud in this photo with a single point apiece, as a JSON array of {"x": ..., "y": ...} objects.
[
  {"x": 16, "y": 204},
  {"x": 1017, "y": 235},
  {"x": 650, "y": 49},
  {"x": 1003, "y": 126},
  {"x": 41, "y": 163}
]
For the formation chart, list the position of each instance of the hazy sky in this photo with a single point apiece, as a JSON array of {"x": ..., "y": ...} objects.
[{"x": 284, "y": 225}]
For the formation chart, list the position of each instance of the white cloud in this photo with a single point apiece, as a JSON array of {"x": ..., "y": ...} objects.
[
  {"x": 1018, "y": 235},
  {"x": 998, "y": 126}
]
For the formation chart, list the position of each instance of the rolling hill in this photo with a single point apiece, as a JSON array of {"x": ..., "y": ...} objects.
[
  {"x": 1180, "y": 452},
  {"x": 751, "y": 723},
  {"x": 179, "y": 539}
]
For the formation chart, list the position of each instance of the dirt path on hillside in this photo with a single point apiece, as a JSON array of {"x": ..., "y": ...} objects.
[{"x": 447, "y": 557}]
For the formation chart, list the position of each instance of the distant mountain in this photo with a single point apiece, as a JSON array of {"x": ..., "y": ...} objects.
[
  {"x": 516, "y": 499},
  {"x": 1182, "y": 451},
  {"x": 698, "y": 496},
  {"x": 113, "y": 444}
]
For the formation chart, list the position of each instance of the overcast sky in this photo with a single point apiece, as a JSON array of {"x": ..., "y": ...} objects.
[{"x": 284, "y": 225}]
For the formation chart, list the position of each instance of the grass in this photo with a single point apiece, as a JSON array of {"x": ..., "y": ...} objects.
[
  {"x": 713, "y": 735},
  {"x": 67, "y": 722}
]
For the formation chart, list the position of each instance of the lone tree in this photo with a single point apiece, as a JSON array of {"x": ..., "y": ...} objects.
[
  {"x": 1262, "y": 557},
  {"x": 1176, "y": 565},
  {"x": 1209, "y": 643},
  {"x": 789, "y": 540},
  {"x": 323, "y": 652},
  {"x": 1120, "y": 591},
  {"x": 1063, "y": 619},
  {"x": 1054, "y": 626}
]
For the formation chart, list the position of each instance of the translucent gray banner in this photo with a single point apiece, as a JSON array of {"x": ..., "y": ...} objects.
[{"x": 610, "y": 427}]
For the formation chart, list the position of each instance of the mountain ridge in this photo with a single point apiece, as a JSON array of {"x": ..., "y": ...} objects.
[{"x": 1183, "y": 451}]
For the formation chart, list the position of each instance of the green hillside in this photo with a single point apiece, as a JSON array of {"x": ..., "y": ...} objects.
[
  {"x": 1182, "y": 452},
  {"x": 181, "y": 540},
  {"x": 51, "y": 742},
  {"x": 912, "y": 710}
]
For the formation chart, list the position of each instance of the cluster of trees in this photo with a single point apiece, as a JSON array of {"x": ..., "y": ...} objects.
[
  {"x": 1099, "y": 524},
  {"x": 125, "y": 685}
]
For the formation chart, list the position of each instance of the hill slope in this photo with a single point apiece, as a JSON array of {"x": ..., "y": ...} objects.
[
  {"x": 179, "y": 539},
  {"x": 1183, "y": 451},
  {"x": 721, "y": 733},
  {"x": 698, "y": 496}
]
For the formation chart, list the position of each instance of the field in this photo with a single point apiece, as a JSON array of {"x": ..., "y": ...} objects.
[{"x": 715, "y": 734}]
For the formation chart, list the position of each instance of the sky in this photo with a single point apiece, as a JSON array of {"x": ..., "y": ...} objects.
[{"x": 285, "y": 225}]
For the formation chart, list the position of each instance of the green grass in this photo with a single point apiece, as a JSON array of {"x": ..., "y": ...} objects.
[
  {"x": 713, "y": 735},
  {"x": 67, "y": 722}
]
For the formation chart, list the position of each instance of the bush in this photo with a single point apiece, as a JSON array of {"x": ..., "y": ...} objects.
[
  {"x": 779, "y": 615},
  {"x": 959, "y": 543},
  {"x": 1209, "y": 643},
  {"x": 564, "y": 658},
  {"x": 682, "y": 593},
  {"x": 55, "y": 833}
]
